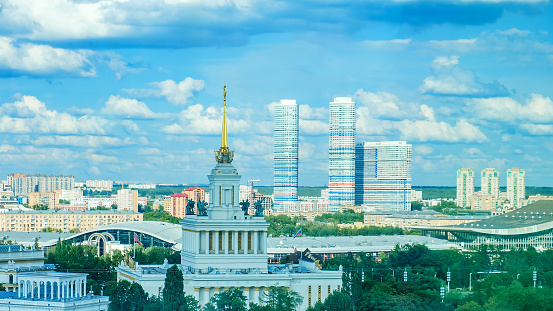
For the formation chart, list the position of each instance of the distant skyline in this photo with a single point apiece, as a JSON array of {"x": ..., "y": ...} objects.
[{"x": 132, "y": 90}]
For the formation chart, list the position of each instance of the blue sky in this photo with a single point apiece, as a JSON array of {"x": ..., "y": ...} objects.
[{"x": 132, "y": 90}]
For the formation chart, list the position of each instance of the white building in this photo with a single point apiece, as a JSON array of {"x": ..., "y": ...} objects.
[
  {"x": 225, "y": 248},
  {"x": 286, "y": 135},
  {"x": 70, "y": 195},
  {"x": 23, "y": 184},
  {"x": 490, "y": 182},
  {"x": 465, "y": 187},
  {"x": 127, "y": 200},
  {"x": 341, "y": 153},
  {"x": 516, "y": 186},
  {"x": 99, "y": 185},
  {"x": 383, "y": 175}
]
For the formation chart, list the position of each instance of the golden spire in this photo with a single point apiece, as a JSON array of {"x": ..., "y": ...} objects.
[
  {"x": 224, "y": 141},
  {"x": 224, "y": 155}
]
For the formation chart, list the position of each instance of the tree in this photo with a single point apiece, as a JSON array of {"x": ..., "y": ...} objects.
[
  {"x": 338, "y": 301},
  {"x": 114, "y": 206},
  {"x": 173, "y": 289},
  {"x": 229, "y": 300},
  {"x": 278, "y": 298},
  {"x": 417, "y": 206},
  {"x": 470, "y": 306}
]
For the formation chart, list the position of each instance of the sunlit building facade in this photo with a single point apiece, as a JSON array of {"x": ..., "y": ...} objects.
[
  {"x": 490, "y": 182},
  {"x": 286, "y": 132},
  {"x": 465, "y": 187},
  {"x": 341, "y": 153},
  {"x": 383, "y": 175},
  {"x": 516, "y": 186}
]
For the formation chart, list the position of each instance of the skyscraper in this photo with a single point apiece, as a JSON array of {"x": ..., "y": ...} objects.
[
  {"x": 490, "y": 182},
  {"x": 516, "y": 188},
  {"x": 465, "y": 187},
  {"x": 341, "y": 153},
  {"x": 286, "y": 155},
  {"x": 383, "y": 175}
]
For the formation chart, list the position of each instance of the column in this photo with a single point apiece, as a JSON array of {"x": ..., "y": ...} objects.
[
  {"x": 245, "y": 241},
  {"x": 255, "y": 241},
  {"x": 59, "y": 290},
  {"x": 52, "y": 290},
  {"x": 19, "y": 289},
  {"x": 225, "y": 242},
  {"x": 45, "y": 290},
  {"x": 32, "y": 289},
  {"x": 216, "y": 242},
  {"x": 207, "y": 242},
  {"x": 84, "y": 283},
  {"x": 235, "y": 242},
  {"x": 264, "y": 241}
]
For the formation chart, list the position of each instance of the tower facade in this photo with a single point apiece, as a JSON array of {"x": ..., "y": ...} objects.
[
  {"x": 383, "y": 175},
  {"x": 341, "y": 153},
  {"x": 286, "y": 133},
  {"x": 516, "y": 186},
  {"x": 490, "y": 182},
  {"x": 465, "y": 187}
]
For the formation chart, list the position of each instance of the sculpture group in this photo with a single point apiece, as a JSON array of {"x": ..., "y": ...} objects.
[{"x": 201, "y": 205}]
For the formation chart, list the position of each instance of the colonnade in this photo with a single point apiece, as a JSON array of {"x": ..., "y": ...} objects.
[
  {"x": 40, "y": 288},
  {"x": 225, "y": 242}
]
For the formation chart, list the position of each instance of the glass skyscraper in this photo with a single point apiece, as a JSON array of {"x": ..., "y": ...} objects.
[
  {"x": 383, "y": 175},
  {"x": 286, "y": 155},
  {"x": 341, "y": 153}
]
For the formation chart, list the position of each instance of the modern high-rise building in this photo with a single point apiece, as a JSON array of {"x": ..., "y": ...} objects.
[
  {"x": 286, "y": 134},
  {"x": 127, "y": 200},
  {"x": 341, "y": 153},
  {"x": 383, "y": 175},
  {"x": 490, "y": 182},
  {"x": 465, "y": 187},
  {"x": 516, "y": 187}
]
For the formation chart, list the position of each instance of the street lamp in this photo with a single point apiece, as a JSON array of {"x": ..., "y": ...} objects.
[
  {"x": 442, "y": 293},
  {"x": 405, "y": 275},
  {"x": 470, "y": 282},
  {"x": 448, "y": 279},
  {"x": 535, "y": 277}
]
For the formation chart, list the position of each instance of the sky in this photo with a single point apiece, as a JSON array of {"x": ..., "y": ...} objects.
[{"x": 132, "y": 90}]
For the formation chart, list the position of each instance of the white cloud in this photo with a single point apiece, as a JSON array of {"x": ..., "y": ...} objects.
[
  {"x": 422, "y": 149},
  {"x": 95, "y": 158},
  {"x": 428, "y": 130},
  {"x": 31, "y": 116},
  {"x": 537, "y": 129},
  {"x": 394, "y": 44},
  {"x": 384, "y": 105},
  {"x": 129, "y": 108},
  {"x": 81, "y": 141},
  {"x": 176, "y": 93},
  {"x": 149, "y": 151},
  {"x": 197, "y": 120},
  {"x": 313, "y": 127},
  {"x": 43, "y": 59},
  {"x": 538, "y": 109},
  {"x": 130, "y": 126},
  {"x": 8, "y": 149},
  {"x": 121, "y": 68},
  {"x": 307, "y": 112},
  {"x": 449, "y": 79}
]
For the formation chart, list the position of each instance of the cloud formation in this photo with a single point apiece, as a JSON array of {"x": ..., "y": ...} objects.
[
  {"x": 449, "y": 79},
  {"x": 121, "y": 107},
  {"x": 175, "y": 93}
]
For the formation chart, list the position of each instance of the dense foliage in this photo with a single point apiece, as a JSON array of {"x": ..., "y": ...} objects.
[
  {"x": 160, "y": 216},
  {"x": 347, "y": 217},
  {"x": 284, "y": 225}
]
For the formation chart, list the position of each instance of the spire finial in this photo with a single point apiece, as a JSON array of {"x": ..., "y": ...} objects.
[{"x": 224, "y": 155}]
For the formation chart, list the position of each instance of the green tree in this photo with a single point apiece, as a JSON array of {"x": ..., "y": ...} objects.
[
  {"x": 338, "y": 301},
  {"x": 470, "y": 306},
  {"x": 280, "y": 299},
  {"x": 229, "y": 300},
  {"x": 417, "y": 206}
]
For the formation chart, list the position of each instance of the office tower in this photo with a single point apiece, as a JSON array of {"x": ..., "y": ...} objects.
[
  {"x": 341, "y": 153},
  {"x": 383, "y": 175},
  {"x": 516, "y": 191},
  {"x": 490, "y": 182},
  {"x": 465, "y": 187},
  {"x": 286, "y": 133}
]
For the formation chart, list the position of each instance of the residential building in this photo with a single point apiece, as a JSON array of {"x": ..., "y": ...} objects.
[
  {"x": 485, "y": 202},
  {"x": 44, "y": 198},
  {"x": 64, "y": 220},
  {"x": 408, "y": 219},
  {"x": 178, "y": 205},
  {"x": 383, "y": 175},
  {"x": 99, "y": 185},
  {"x": 516, "y": 187},
  {"x": 23, "y": 184},
  {"x": 341, "y": 153},
  {"x": 490, "y": 182},
  {"x": 127, "y": 200},
  {"x": 465, "y": 187},
  {"x": 286, "y": 135},
  {"x": 70, "y": 195},
  {"x": 196, "y": 194}
]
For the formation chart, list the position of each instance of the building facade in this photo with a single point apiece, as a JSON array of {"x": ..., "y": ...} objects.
[
  {"x": 383, "y": 175},
  {"x": 341, "y": 153},
  {"x": 127, "y": 200},
  {"x": 465, "y": 187},
  {"x": 178, "y": 205},
  {"x": 196, "y": 194},
  {"x": 50, "y": 199},
  {"x": 286, "y": 135},
  {"x": 63, "y": 220},
  {"x": 22, "y": 184},
  {"x": 490, "y": 182},
  {"x": 99, "y": 185},
  {"x": 516, "y": 186}
]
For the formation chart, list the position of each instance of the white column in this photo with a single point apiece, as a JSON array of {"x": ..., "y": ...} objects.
[
  {"x": 216, "y": 242},
  {"x": 255, "y": 241},
  {"x": 19, "y": 289},
  {"x": 59, "y": 290},
  {"x": 52, "y": 290},
  {"x": 32, "y": 288},
  {"x": 84, "y": 282},
  {"x": 235, "y": 242},
  {"x": 245, "y": 242},
  {"x": 207, "y": 242},
  {"x": 225, "y": 242},
  {"x": 45, "y": 290}
]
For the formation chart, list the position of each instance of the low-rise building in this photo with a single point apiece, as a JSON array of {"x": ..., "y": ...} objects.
[
  {"x": 62, "y": 220},
  {"x": 309, "y": 216},
  {"x": 408, "y": 219},
  {"x": 177, "y": 207}
]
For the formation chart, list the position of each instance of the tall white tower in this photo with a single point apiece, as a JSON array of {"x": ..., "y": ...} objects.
[
  {"x": 465, "y": 187},
  {"x": 490, "y": 182},
  {"x": 286, "y": 134},
  {"x": 224, "y": 238},
  {"x": 341, "y": 153},
  {"x": 516, "y": 186}
]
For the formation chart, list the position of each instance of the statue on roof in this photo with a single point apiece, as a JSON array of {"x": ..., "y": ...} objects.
[
  {"x": 190, "y": 207},
  {"x": 245, "y": 205},
  {"x": 202, "y": 208},
  {"x": 258, "y": 208}
]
